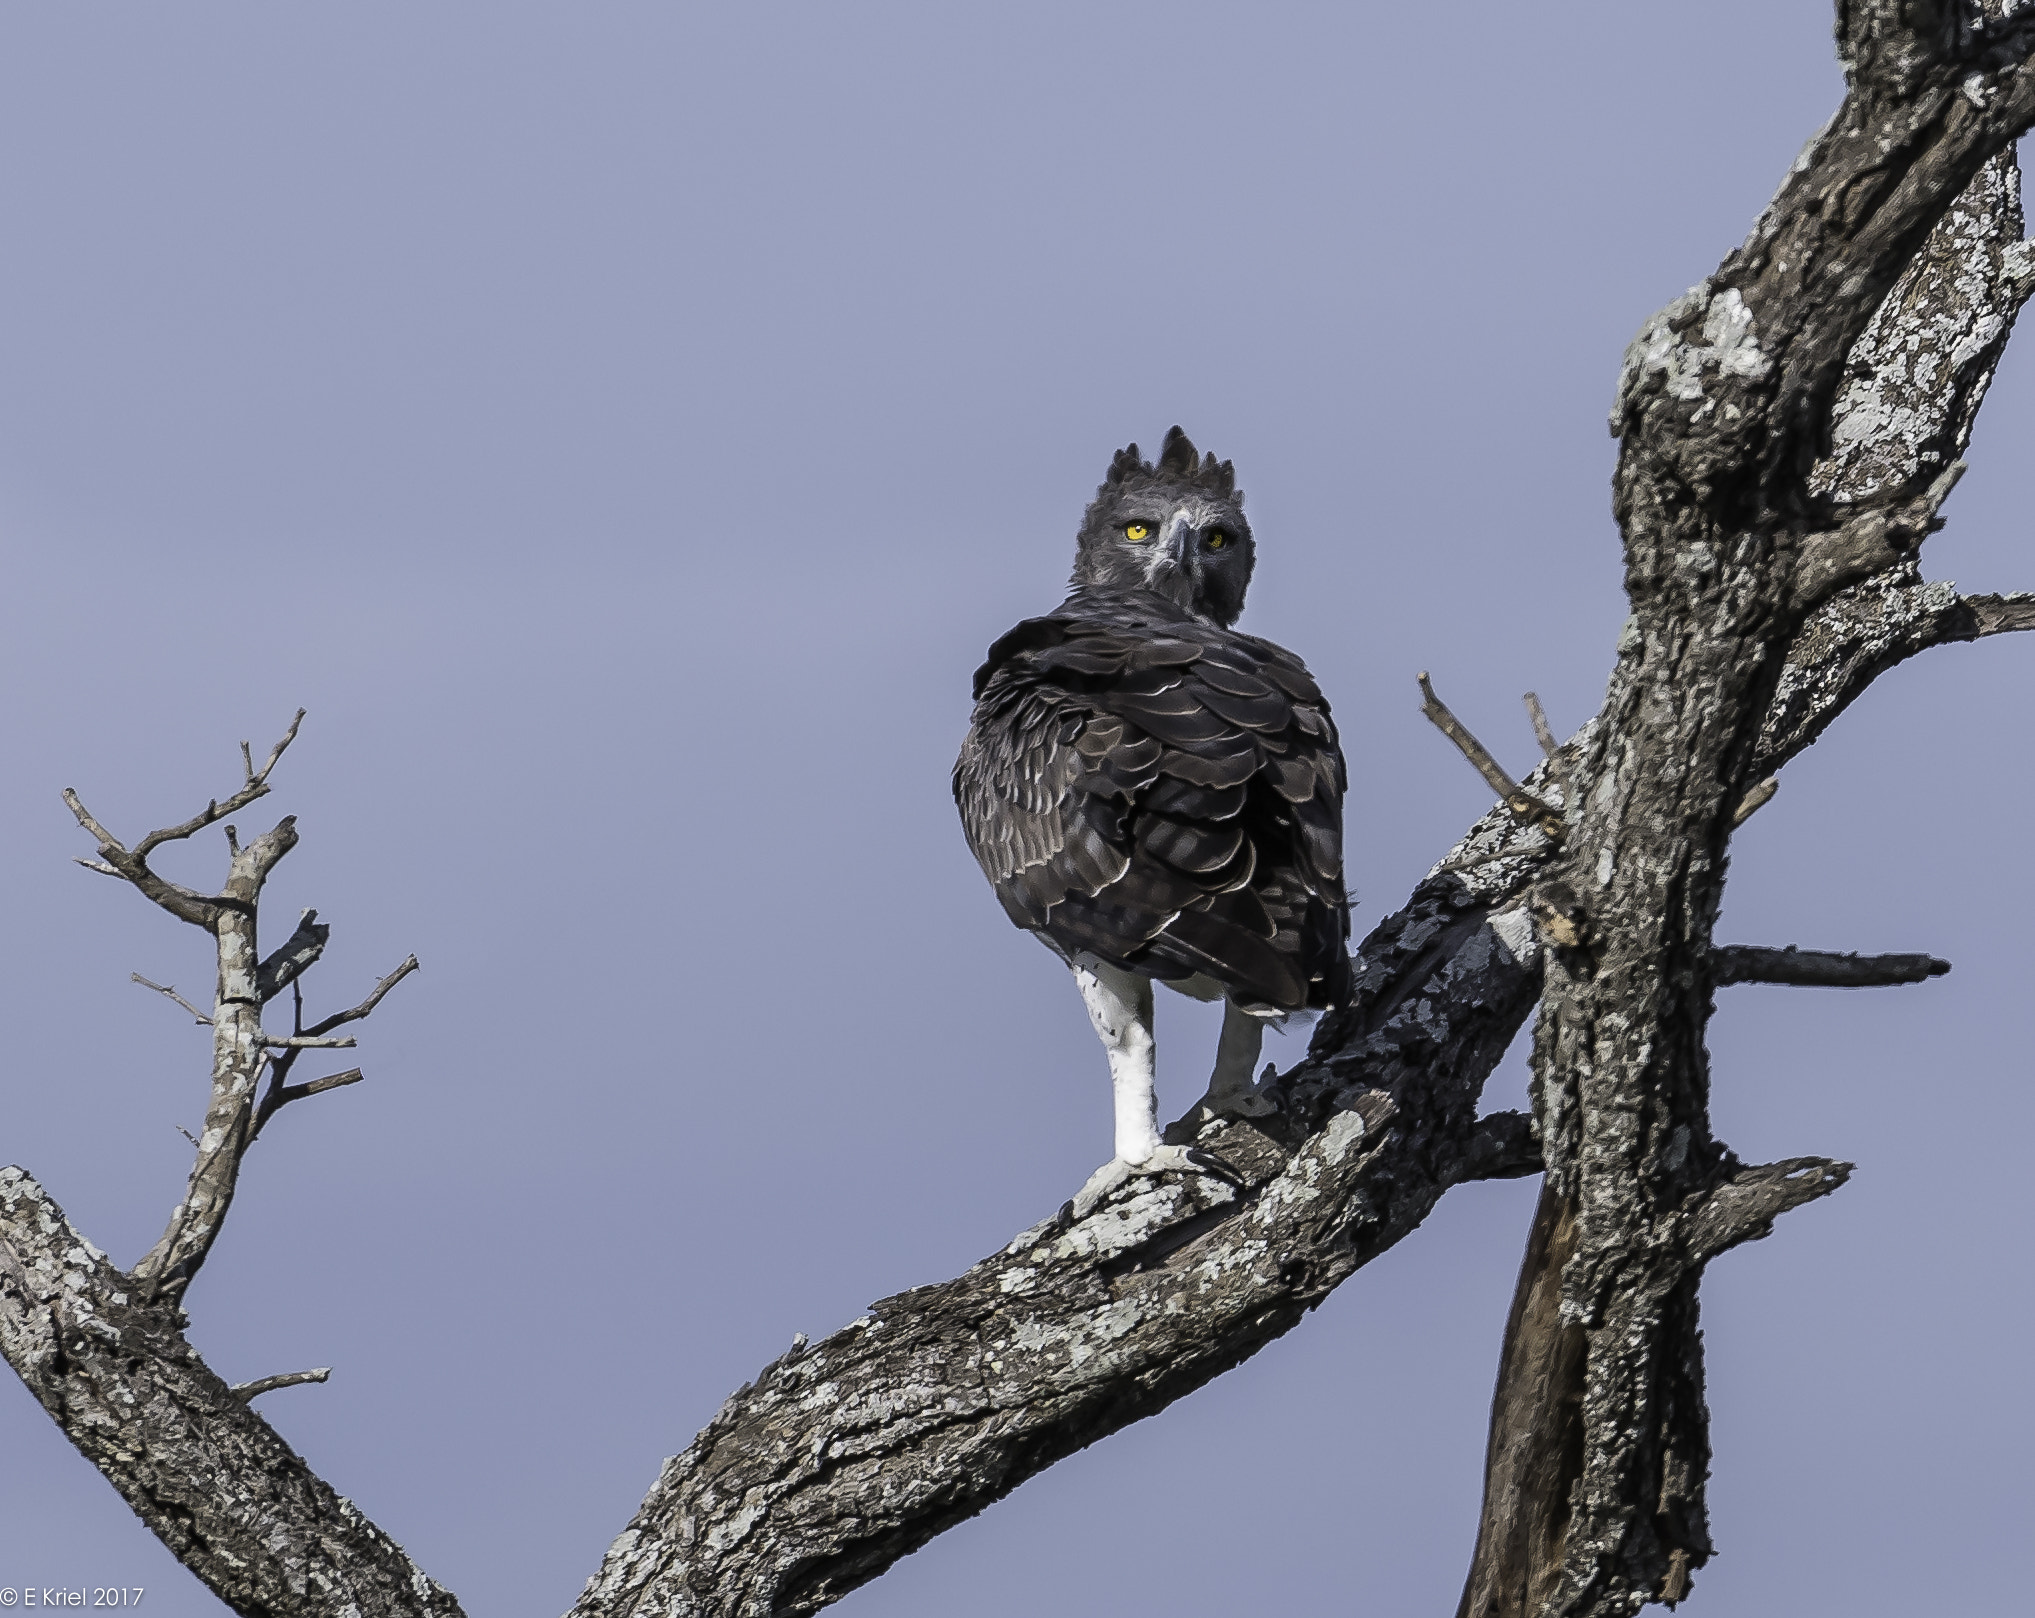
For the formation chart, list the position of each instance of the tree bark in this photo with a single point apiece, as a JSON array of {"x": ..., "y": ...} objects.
[
  {"x": 1762, "y": 606},
  {"x": 1740, "y": 507},
  {"x": 233, "y": 1502}
]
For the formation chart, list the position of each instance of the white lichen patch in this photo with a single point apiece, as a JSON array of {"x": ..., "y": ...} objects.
[
  {"x": 1513, "y": 929},
  {"x": 1665, "y": 355},
  {"x": 1916, "y": 375}
]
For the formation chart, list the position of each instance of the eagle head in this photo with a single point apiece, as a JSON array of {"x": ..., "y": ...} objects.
[{"x": 1176, "y": 528}]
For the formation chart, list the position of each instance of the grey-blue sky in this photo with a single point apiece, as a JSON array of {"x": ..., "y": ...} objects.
[{"x": 623, "y": 428}]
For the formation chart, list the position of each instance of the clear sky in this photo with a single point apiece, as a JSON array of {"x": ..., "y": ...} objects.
[{"x": 623, "y": 428}]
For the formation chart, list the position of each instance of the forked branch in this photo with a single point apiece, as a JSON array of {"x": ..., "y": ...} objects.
[{"x": 1514, "y": 796}]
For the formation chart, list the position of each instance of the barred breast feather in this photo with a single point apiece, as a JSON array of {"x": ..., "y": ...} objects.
[{"x": 1142, "y": 786}]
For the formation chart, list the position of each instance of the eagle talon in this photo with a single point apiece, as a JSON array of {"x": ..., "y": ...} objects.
[{"x": 1208, "y": 1163}]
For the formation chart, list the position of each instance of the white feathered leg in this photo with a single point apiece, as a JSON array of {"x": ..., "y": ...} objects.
[{"x": 1120, "y": 1007}]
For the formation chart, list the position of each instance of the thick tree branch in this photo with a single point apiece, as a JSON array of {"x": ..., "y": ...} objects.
[
  {"x": 1744, "y": 1206},
  {"x": 1768, "y": 589},
  {"x": 211, "y": 1479},
  {"x": 298, "y": 955},
  {"x": 1858, "y": 636},
  {"x": 1503, "y": 1146}
]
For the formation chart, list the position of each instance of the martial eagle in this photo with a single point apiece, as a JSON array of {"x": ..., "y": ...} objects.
[{"x": 1160, "y": 797}]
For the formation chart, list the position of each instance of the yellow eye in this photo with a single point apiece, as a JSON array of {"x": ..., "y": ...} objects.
[
  {"x": 1135, "y": 531},
  {"x": 1217, "y": 540}
]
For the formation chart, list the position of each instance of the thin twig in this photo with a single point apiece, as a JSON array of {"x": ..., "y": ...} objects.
[
  {"x": 1551, "y": 749},
  {"x": 170, "y": 990},
  {"x": 281, "y": 1095},
  {"x": 244, "y": 1391},
  {"x": 257, "y": 786},
  {"x": 77, "y": 807},
  {"x": 332, "y": 1081},
  {"x": 1516, "y": 798},
  {"x": 338, "y": 1017}
]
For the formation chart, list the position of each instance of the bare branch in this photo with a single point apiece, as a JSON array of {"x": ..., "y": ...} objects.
[
  {"x": 2001, "y": 615},
  {"x": 298, "y": 954},
  {"x": 1869, "y": 543},
  {"x": 1820, "y": 969},
  {"x": 332, "y": 1081},
  {"x": 366, "y": 1006},
  {"x": 1503, "y": 1146},
  {"x": 280, "y": 1095},
  {"x": 1515, "y": 797},
  {"x": 1550, "y": 749},
  {"x": 1861, "y": 633},
  {"x": 87, "y": 820},
  {"x": 209, "y": 1477},
  {"x": 1744, "y": 1207},
  {"x": 170, "y": 990},
  {"x": 179, "y": 901},
  {"x": 301, "y": 1042},
  {"x": 244, "y": 1391},
  {"x": 256, "y": 786},
  {"x": 1913, "y": 382},
  {"x": 1755, "y": 800},
  {"x": 251, "y": 866}
]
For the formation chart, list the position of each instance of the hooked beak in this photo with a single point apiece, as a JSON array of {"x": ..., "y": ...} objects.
[
  {"x": 1176, "y": 549},
  {"x": 1172, "y": 564}
]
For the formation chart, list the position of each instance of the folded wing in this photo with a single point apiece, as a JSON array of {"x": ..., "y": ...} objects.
[{"x": 1163, "y": 794}]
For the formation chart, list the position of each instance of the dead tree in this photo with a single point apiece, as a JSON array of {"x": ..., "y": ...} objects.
[{"x": 1790, "y": 429}]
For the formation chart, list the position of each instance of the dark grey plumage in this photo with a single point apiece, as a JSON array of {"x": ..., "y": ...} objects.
[{"x": 1143, "y": 785}]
